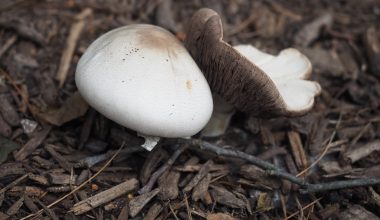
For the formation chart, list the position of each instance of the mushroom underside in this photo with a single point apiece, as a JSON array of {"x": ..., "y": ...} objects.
[
  {"x": 288, "y": 71},
  {"x": 260, "y": 84}
]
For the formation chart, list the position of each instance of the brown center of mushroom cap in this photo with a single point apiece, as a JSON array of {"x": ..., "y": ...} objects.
[
  {"x": 158, "y": 40},
  {"x": 229, "y": 74}
]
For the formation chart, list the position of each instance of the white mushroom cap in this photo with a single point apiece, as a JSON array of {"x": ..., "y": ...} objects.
[
  {"x": 288, "y": 71},
  {"x": 141, "y": 77}
]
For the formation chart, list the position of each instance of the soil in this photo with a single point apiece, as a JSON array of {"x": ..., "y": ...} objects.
[{"x": 60, "y": 159}]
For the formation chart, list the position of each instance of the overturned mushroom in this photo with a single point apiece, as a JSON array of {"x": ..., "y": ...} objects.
[
  {"x": 252, "y": 81},
  {"x": 141, "y": 77}
]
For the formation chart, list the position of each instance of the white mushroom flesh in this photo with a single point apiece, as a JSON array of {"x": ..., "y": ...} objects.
[
  {"x": 150, "y": 142},
  {"x": 220, "y": 119},
  {"x": 289, "y": 71}
]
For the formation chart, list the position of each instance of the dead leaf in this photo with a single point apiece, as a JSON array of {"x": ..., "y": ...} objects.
[{"x": 73, "y": 108}]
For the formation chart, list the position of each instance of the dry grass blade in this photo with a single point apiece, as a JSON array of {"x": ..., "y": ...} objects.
[
  {"x": 188, "y": 208},
  {"x": 320, "y": 157},
  {"x": 172, "y": 211},
  {"x": 303, "y": 208}
]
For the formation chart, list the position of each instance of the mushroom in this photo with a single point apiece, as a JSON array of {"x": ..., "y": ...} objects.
[
  {"x": 141, "y": 77},
  {"x": 252, "y": 81},
  {"x": 220, "y": 118}
]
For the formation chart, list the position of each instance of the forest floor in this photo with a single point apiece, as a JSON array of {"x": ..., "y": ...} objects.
[{"x": 49, "y": 135}]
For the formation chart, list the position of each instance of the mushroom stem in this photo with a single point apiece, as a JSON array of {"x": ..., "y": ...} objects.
[
  {"x": 150, "y": 141},
  {"x": 220, "y": 118}
]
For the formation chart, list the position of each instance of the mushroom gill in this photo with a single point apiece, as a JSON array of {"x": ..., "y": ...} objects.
[{"x": 232, "y": 74}]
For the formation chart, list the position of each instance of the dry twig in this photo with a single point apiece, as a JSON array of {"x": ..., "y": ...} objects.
[
  {"x": 162, "y": 169},
  {"x": 272, "y": 170},
  {"x": 71, "y": 43}
]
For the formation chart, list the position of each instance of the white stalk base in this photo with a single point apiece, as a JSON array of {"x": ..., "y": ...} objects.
[{"x": 150, "y": 141}]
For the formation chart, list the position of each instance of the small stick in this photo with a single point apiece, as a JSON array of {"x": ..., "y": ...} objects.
[
  {"x": 360, "y": 134},
  {"x": 104, "y": 197},
  {"x": 172, "y": 211},
  {"x": 71, "y": 43},
  {"x": 270, "y": 168},
  {"x": 199, "y": 176},
  {"x": 274, "y": 171},
  {"x": 283, "y": 206},
  {"x": 32, "y": 144},
  {"x": 90, "y": 161},
  {"x": 8, "y": 44},
  {"x": 340, "y": 184},
  {"x": 14, "y": 183},
  {"x": 302, "y": 215},
  {"x": 188, "y": 208},
  {"x": 297, "y": 149},
  {"x": 148, "y": 187},
  {"x": 243, "y": 25},
  {"x": 66, "y": 165},
  {"x": 48, "y": 211}
]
